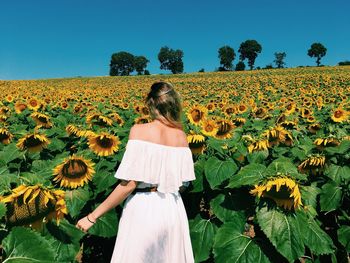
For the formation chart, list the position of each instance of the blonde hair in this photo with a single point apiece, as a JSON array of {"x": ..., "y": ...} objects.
[{"x": 164, "y": 104}]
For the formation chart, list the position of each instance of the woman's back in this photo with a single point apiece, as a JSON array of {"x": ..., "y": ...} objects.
[{"x": 159, "y": 133}]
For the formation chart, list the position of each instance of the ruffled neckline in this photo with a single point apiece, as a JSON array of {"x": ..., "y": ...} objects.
[{"x": 160, "y": 145}]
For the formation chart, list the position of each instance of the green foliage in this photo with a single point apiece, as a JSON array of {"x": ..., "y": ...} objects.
[
  {"x": 318, "y": 51},
  {"x": 249, "y": 49},
  {"x": 23, "y": 245},
  {"x": 226, "y": 56},
  {"x": 171, "y": 59}
]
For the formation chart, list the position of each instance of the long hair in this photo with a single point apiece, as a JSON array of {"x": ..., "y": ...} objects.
[{"x": 164, "y": 104}]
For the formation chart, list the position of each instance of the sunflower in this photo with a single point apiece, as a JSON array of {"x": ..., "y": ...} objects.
[
  {"x": 3, "y": 117},
  {"x": 209, "y": 127},
  {"x": 34, "y": 104},
  {"x": 196, "y": 142},
  {"x": 32, "y": 205},
  {"x": 258, "y": 145},
  {"x": 74, "y": 171},
  {"x": 98, "y": 119},
  {"x": 224, "y": 129},
  {"x": 289, "y": 124},
  {"x": 5, "y": 136},
  {"x": 20, "y": 106},
  {"x": 283, "y": 190},
  {"x": 313, "y": 164},
  {"x": 239, "y": 122},
  {"x": 41, "y": 119},
  {"x": 116, "y": 118},
  {"x": 103, "y": 144},
  {"x": 77, "y": 131},
  {"x": 33, "y": 142},
  {"x": 326, "y": 142},
  {"x": 339, "y": 115},
  {"x": 242, "y": 108},
  {"x": 196, "y": 114},
  {"x": 313, "y": 128},
  {"x": 277, "y": 135}
]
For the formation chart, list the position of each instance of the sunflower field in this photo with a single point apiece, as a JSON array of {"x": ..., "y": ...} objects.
[{"x": 271, "y": 151}]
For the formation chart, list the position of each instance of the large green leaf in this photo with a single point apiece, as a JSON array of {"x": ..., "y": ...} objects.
[
  {"x": 338, "y": 173},
  {"x": 257, "y": 157},
  {"x": 225, "y": 208},
  {"x": 230, "y": 245},
  {"x": 106, "y": 225},
  {"x": 76, "y": 199},
  {"x": 3, "y": 209},
  {"x": 199, "y": 171},
  {"x": 330, "y": 196},
  {"x": 217, "y": 171},
  {"x": 283, "y": 232},
  {"x": 5, "y": 182},
  {"x": 10, "y": 153},
  {"x": 284, "y": 166},
  {"x": 202, "y": 237},
  {"x": 23, "y": 245},
  {"x": 103, "y": 180},
  {"x": 313, "y": 236},
  {"x": 344, "y": 237},
  {"x": 342, "y": 148},
  {"x": 309, "y": 194},
  {"x": 248, "y": 175}
]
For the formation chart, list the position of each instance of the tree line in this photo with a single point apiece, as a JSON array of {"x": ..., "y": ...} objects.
[{"x": 124, "y": 63}]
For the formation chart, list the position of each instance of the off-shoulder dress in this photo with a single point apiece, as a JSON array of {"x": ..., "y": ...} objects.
[{"x": 154, "y": 226}]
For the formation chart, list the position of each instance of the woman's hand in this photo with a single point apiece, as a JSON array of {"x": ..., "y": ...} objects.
[{"x": 84, "y": 224}]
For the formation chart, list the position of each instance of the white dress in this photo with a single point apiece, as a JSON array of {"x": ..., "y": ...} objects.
[{"x": 153, "y": 227}]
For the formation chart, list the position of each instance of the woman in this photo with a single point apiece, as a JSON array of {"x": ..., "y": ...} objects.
[{"x": 157, "y": 164}]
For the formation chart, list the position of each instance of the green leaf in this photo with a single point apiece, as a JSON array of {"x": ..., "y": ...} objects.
[
  {"x": 199, "y": 171},
  {"x": 25, "y": 245},
  {"x": 248, "y": 175},
  {"x": 10, "y": 153},
  {"x": 3, "y": 209},
  {"x": 5, "y": 182},
  {"x": 224, "y": 207},
  {"x": 342, "y": 148},
  {"x": 217, "y": 171},
  {"x": 56, "y": 145},
  {"x": 202, "y": 237},
  {"x": 330, "y": 196},
  {"x": 338, "y": 173},
  {"x": 76, "y": 199},
  {"x": 106, "y": 225},
  {"x": 309, "y": 194},
  {"x": 283, "y": 232},
  {"x": 258, "y": 157},
  {"x": 230, "y": 245},
  {"x": 344, "y": 237},
  {"x": 103, "y": 180},
  {"x": 313, "y": 236}
]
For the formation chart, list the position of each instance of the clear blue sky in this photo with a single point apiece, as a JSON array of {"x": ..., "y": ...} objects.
[{"x": 50, "y": 39}]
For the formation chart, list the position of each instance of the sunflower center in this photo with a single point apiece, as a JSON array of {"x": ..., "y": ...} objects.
[
  {"x": 338, "y": 114},
  {"x": 74, "y": 169},
  {"x": 32, "y": 142},
  {"x": 283, "y": 193},
  {"x": 104, "y": 142},
  {"x": 196, "y": 115}
]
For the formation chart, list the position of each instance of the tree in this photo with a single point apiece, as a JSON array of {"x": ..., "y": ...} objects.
[
  {"x": 171, "y": 59},
  {"x": 140, "y": 63},
  {"x": 249, "y": 49},
  {"x": 122, "y": 64},
  {"x": 226, "y": 56},
  {"x": 240, "y": 66},
  {"x": 279, "y": 57},
  {"x": 318, "y": 51}
]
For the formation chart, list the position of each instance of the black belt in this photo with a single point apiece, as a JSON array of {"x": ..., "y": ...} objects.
[{"x": 146, "y": 189}]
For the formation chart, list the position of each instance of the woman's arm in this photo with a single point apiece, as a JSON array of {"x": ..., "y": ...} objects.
[{"x": 122, "y": 191}]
